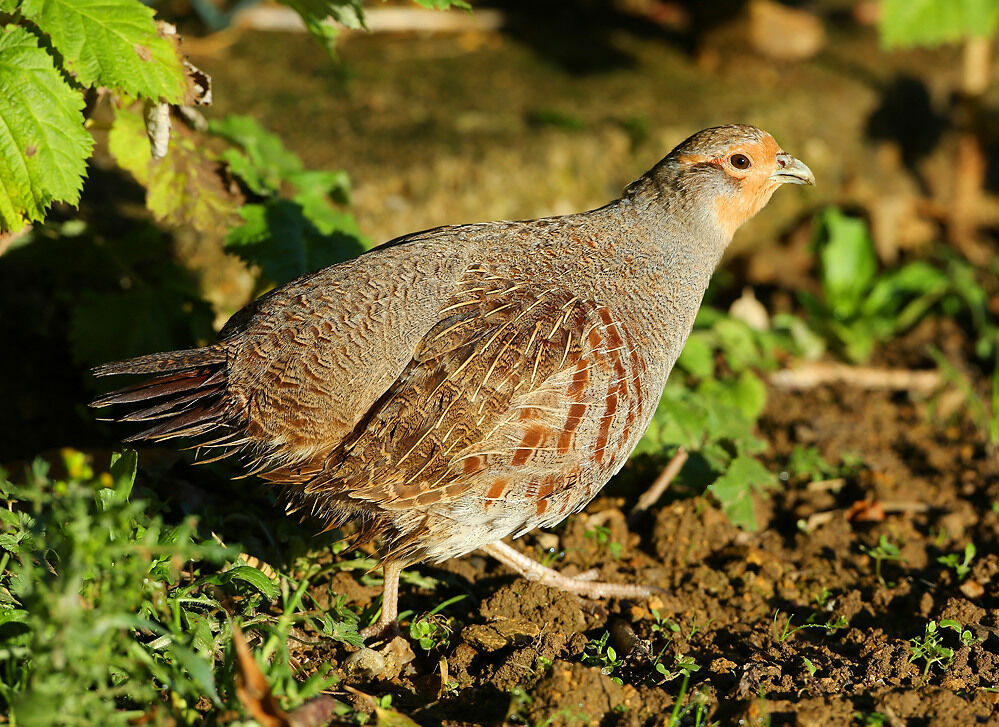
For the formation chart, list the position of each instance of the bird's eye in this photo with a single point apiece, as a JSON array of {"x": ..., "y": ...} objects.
[{"x": 740, "y": 161}]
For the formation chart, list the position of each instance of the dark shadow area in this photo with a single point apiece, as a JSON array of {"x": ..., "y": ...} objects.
[
  {"x": 579, "y": 37},
  {"x": 99, "y": 287},
  {"x": 907, "y": 117}
]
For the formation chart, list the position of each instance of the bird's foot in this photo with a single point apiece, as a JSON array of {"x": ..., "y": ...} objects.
[
  {"x": 386, "y": 627},
  {"x": 381, "y": 631},
  {"x": 583, "y": 584}
]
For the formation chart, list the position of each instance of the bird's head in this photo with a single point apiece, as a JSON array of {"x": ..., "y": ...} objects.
[{"x": 728, "y": 173}]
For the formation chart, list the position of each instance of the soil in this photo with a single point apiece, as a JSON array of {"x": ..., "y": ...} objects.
[{"x": 518, "y": 652}]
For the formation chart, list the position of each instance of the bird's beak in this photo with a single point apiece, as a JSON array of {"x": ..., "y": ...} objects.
[{"x": 791, "y": 171}]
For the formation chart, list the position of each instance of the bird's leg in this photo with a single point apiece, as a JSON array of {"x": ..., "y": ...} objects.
[
  {"x": 581, "y": 585},
  {"x": 387, "y": 624}
]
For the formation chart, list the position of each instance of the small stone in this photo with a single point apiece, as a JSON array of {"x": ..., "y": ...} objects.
[
  {"x": 547, "y": 541},
  {"x": 365, "y": 663},
  {"x": 398, "y": 653},
  {"x": 750, "y": 311},
  {"x": 972, "y": 589},
  {"x": 386, "y": 663}
]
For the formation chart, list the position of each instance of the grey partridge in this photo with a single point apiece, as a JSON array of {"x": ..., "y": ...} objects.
[{"x": 466, "y": 383}]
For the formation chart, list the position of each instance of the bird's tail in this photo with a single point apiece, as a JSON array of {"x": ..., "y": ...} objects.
[{"x": 186, "y": 395}]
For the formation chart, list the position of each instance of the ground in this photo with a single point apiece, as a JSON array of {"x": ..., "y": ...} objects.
[{"x": 523, "y": 653}]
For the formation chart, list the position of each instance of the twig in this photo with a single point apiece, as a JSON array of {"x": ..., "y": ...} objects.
[
  {"x": 651, "y": 496},
  {"x": 377, "y": 20},
  {"x": 810, "y": 375}
]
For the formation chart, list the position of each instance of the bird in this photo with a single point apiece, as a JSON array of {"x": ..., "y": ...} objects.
[{"x": 460, "y": 385}]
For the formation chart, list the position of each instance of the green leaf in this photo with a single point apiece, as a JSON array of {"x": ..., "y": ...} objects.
[
  {"x": 930, "y": 22},
  {"x": 697, "y": 358},
  {"x": 267, "y": 163},
  {"x": 749, "y": 395},
  {"x": 279, "y": 237},
  {"x": 124, "y": 465},
  {"x": 185, "y": 188},
  {"x": 43, "y": 145},
  {"x": 348, "y": 13},
  {"x": 111, "y": 43},
  {"x": 199, "y": 670},
  {"x": 734, "y": 489},
  {"x": 129, "y": 144},
  {"x": 255, "y": 578},
  {"x": 738, "y": 343},
  {"x": 444, "y": 4},
  {"x": 848, "y": 262}
]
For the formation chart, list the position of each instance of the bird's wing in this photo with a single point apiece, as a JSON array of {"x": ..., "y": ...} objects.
[
  {"x": 518, "y": 391},
  {"x": 308, "y": 361}
]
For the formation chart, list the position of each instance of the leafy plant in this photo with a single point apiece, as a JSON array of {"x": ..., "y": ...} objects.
[
  {"x": 885, "y": 550},
  {"x": 930, "y": 649},
  {"x": 954, "y": 561},
  {"x": 860, "y": 306},
  {"x": 809, "y": 666},
  {"x": 682, "y": 665},
  {"x": 286, "y": 237},
  {"x": 598, "y": 653},
  {"x": 602, "y": 536},
  {"x": 967, "y": 638},
  {"x": 809, "y": 464},
  {"x": 712, "y": 412},
  {"x": 57, "y": 54},
  {"x": 109, "y": 615},
  {"x": 782, "y": 634},
  {"x": 433, "y": 630}
]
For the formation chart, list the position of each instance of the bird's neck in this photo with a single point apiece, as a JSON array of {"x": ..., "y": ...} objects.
[{"x": 679, "y": 244}]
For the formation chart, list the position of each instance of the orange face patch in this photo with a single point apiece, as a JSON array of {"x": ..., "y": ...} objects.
[{"x": 755, "y": 185}]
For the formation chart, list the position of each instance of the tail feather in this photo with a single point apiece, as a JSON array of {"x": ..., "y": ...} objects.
[
  {"x": 191, "y": 423},
  {"x": 161, "y": 386},
  {"x": 189, "y": 397},
  {"x": 170, "y": 407},
  {"x": 155, "y": 363}
]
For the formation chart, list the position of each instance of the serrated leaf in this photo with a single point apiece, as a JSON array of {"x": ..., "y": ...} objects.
[
  {"x": 734, "y": 489},
  {"x": 43, "y": 145},
  {"x": 111, "y": 43},
  {"x": 931, "y": 22},
  {"x": 349, "y": 13}
]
